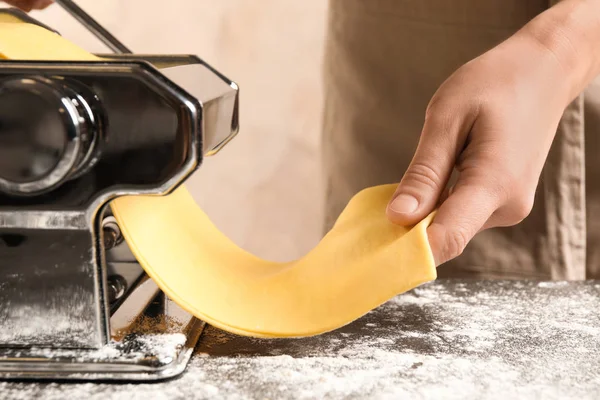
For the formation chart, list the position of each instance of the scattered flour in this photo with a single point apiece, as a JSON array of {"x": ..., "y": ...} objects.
[
  {"x": 506, "y": 343},
  {"x": 21, "y": 323},
  {"x": 550, "y": 285},
  {"x": 161, "y": 347}
]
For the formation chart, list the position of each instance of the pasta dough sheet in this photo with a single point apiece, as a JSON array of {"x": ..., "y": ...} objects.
[{"x": 361, "y": 263}]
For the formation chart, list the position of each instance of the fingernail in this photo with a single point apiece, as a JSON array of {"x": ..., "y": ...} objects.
[{"x": 404, "y": 204}]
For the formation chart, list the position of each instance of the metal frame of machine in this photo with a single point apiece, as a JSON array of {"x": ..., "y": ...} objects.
[{"x": 74, "y": 303}]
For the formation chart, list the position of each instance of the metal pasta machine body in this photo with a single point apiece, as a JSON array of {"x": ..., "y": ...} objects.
[{"x": 74, "y": 303}]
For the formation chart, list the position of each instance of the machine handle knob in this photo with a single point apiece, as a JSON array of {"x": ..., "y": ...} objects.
[{"x": 48, "y": 134}]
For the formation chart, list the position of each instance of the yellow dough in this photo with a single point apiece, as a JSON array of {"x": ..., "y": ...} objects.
[{"x": 361, "y": 263}]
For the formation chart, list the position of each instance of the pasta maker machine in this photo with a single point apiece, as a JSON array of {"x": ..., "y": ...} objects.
[{"x": 74, "y": 303}]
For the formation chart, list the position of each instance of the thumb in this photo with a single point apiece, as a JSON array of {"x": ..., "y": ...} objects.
[
  {"x": 472, "y": 202},
  {"x": 429, "y": 171}
]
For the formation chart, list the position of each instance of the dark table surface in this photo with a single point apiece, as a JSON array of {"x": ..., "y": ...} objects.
[{"x": 448, "y": 339}]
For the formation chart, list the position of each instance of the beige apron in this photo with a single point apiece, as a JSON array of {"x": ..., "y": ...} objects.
[{"x": 384, "y": 60}]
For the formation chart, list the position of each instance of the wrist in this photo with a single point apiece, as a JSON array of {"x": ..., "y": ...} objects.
[{"x": 570, "y": 35}]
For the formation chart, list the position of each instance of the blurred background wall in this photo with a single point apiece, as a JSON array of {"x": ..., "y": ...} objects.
[{"x": 264, "y": 189}]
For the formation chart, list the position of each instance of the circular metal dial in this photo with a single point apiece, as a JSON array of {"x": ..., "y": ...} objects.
[{"x": 46, "y": 134}]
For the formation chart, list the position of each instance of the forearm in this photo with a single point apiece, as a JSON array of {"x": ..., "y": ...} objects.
[{"x": 570, "y": 32}]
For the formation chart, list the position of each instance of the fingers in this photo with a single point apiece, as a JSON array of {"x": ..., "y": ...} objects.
[
  {"x": 41, "y": 4},
  {"x": 466, "y": 211},
  {"x": 443, "y": 135},
  {"x": 28, "y": 5}
]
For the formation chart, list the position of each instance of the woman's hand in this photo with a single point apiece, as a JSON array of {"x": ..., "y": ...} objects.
[
  {"x": 494, "y": 121},
  {"x": 28, "y": 5}
]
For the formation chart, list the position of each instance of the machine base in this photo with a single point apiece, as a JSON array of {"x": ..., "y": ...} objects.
[{"x": 154, "y": 346}]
